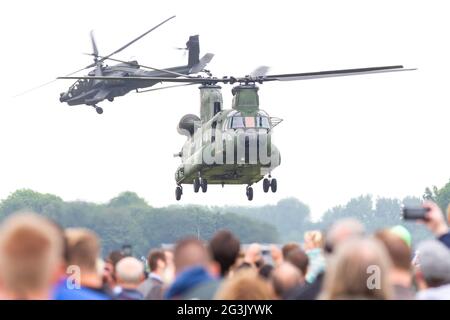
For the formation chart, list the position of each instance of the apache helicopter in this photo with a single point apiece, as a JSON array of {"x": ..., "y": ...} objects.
[
  {"x": 92, "y": 91},
  {"x": 224, "y": 145}
]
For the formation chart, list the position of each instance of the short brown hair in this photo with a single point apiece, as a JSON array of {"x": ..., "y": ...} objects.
[
  {"x": 398, "y": 250},
  {"x": 83, "y": 248},
  {"x": 299, "y": 259},
  {"x": 288, "y": 247},
  {"x": 190, "y": 252},
  {"x": 224, "y": 248},
  {"x": 245, "y": 285},
  {"x": 153, "y": 258}
]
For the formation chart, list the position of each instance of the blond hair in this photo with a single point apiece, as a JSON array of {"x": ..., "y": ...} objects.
[
  {"x": 31, "y": 250},
  {"x": 314, "y": 239},
  {"x": 245, "y": 284},
  {"x": 353, "y": 270}
]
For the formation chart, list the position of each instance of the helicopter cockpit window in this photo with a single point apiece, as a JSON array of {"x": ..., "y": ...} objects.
[
  {"x": 238, "y": 122},
  {"x": 263, "y": 122},
  {"x": 79, "y": 86}
]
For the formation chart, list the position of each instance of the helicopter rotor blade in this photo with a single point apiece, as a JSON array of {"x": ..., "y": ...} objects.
[
  {"x": 261, "y": 71},
  {"x": 248, "y": 79},
  {"x": 134, "y": 40},
  {"x": 333, "y": 73},
  {"x": 94, "y": 46},
  {"x": 141, "y": 66},
  {"x": 167, "y": 87}
]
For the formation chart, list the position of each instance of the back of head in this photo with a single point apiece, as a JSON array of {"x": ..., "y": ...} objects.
[
  {"x": 154, "y": 258},
  {"x": 358, "y": 270},
  {"x": 224, "y": 248},
  {"x": 434, "y": 262},
  {"x": 189, "y": 253},
  {"x": 129, "y": 271},
  {"x": 253, "y": 253},
  {"x": 245, "y": 285},
  {"x": 398, "y": 250},
  {"x": 83, "y": 249},
  {"x": 31, "y": 249},
  {"x": 114, "y": 257},
  {"x": 299, "y": 259},
  {"x": 341, "y": 231},
  {"x": 288, "y": 247},
  {"x": 285, "y": 277}
]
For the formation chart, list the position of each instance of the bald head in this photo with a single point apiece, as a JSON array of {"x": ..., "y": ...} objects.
[
  {"x": 190, "y": 253},
  {"x": 343, "y": 230},
  {"x": 285, "y": 277},
  {"x": 129, "y": 271},
  {"x": 253, "y": 253}
]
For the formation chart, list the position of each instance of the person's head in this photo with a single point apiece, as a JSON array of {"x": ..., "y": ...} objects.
[
  {"x": 83, "y": 249},
  {"x": 266, "y": 271},
  {"x": 157, "y": 261},
  {"x": 313, "y": 240},
  {"x": 253, "y": 254},
  {"x": 285, "y": 277},
  {"x": 448, "y": 213},
  {"x": 245, "y": 285},
  {"x": 433, "y": 264},
  {"x": 399, "y": 252},
  {"x": 288, "y": 247},
  {"x": 31, "y": 255},
  {"x": 169, "y": 272},
  {"x": 358, "y": 269},
  {"x": 299, "y": 259},
  {"x": 129, "y": 272},
  {"x": 341, "y": 231},
  {"x": 189, "y": 253},
  {"x": 109, "y": 276},
  {"x": 224, "y": 248}
]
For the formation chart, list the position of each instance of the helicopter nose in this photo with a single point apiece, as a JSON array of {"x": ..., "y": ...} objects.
[{"x": 62, "y": 97}]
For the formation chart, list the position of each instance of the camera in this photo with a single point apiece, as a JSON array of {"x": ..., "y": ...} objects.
[{"x": 415, "y": 213}]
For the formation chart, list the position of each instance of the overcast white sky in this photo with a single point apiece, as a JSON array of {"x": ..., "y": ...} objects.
[{"x": 385, "y": 135}]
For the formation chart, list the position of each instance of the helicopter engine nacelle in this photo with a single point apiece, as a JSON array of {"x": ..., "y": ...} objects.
[{"x": 188, "y": 125}]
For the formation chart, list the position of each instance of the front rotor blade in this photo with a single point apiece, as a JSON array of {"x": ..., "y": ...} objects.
[{"x": 156, "y": 79}]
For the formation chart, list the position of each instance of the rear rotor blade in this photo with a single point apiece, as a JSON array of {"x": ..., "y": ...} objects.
[{"x": 333, "y": 73}]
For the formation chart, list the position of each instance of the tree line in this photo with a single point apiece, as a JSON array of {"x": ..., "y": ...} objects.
[{"x": 129, "y": 219}]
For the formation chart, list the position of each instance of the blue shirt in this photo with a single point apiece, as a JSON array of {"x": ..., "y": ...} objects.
[{"x": 62, "y": 292}]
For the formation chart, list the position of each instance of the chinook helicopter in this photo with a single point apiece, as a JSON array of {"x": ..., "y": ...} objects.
[
  {"x": 233, "y": 146},
  {"x": 90, "y": 92}
]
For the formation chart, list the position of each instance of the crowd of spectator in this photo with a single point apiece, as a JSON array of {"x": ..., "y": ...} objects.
[{"x": 40, "y": 260}]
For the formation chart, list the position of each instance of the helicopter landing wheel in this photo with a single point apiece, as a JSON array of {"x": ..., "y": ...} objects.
[
  {"x": 266, "y": 185},
  {"x": 274, "y": 185},
  {"x": 99, "y": 110},
  {"x": 178, "y": 193},
  {"x": 204, "y": 185},
  {"x": 196, "y": 185},
  {"x": 249, "y": 193}
]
